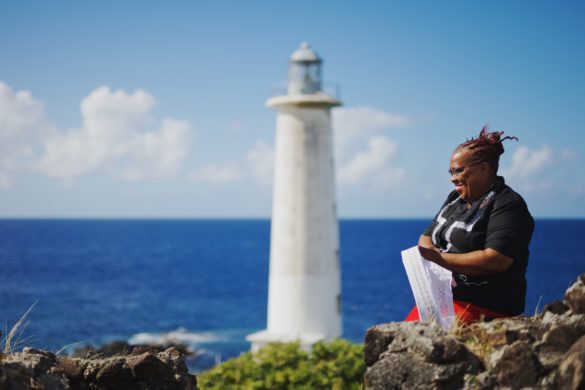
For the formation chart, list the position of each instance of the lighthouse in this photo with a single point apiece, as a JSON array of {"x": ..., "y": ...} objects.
[{"x": 304, "y": 288}]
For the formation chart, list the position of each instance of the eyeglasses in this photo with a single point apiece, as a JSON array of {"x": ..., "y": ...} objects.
[{"x": 460, "y": 170}]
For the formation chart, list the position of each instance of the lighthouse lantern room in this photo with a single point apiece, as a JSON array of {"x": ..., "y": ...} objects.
[{"x": 304, "y": 71}]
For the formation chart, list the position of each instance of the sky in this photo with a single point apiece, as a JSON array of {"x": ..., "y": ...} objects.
[{"x": 145, "y": 109}]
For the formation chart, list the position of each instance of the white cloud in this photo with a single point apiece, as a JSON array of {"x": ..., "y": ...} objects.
[
  {"x": 544, "y": 170},
  {"x": 528, "y": 166},
  {"x": 159, "y": 153},
  {"x": 260, "y": 162},
  {"x": 22, "y": 126},
  {"x": 374, "y": 163},
  {"x": 527, "y": 163},
  {"x": 356, "y": 123},
  {"x": 5, "y": 181},
  {"x": 390, "y": 177},
  {"x": 115, "y": 135},
  {"x": 362, "y": 153},
  {"x": 364, "y": 118},
  {"x": 115, "y": 115},
  {"x": 215, "y": 173}
]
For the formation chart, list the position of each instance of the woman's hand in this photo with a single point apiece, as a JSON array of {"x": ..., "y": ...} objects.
[
  {"x": 480, "y": 262},
  {"x": 431, "y": 253}
]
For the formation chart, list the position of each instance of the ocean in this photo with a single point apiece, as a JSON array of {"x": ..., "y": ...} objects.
[{"x": 206, "y": 281}]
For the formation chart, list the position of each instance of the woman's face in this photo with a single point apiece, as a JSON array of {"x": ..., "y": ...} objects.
[{"x": 470, "y": 178}]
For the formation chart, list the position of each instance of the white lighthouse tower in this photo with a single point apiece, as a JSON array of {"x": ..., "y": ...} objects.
[{"x": 304, "y": 294}]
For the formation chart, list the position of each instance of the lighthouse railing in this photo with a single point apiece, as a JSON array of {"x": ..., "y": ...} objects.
[{"x": 332, "y": 90}]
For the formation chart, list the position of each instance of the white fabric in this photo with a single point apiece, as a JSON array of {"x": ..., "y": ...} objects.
[{"x": 431, "y": 286}]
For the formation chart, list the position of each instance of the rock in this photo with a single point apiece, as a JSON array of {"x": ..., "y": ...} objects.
[
  {"x": 575, "y": 296},
  {"x": 147, "y": 367},
  {"x": 518, "y": 366},
  {"x": 116, "y": 348},
  {"x": 558, "y": 339},
  {"x": 116, "y": 374},
  {"x": 377, "y": 340},
  {"x": 556, "y": 307},
  {"x": 545, "y": 351},
  {"x": 483, "y": 381},
  {"x": 72, "y": 371},
  {"x": 174, "y": 358},
  {"x": 416, "y": 355},
  {"x": 34, "y": 369},
  {"x": 572, "y": 368}
]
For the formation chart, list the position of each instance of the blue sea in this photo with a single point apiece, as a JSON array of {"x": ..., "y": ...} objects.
[{"x": 96, "y": 281}]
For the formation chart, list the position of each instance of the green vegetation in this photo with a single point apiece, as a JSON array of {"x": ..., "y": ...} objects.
[{"x": 330, "y": 365}]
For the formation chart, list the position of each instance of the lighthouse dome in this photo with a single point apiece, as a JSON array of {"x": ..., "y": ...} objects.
[{"x": 305, "y": 54}]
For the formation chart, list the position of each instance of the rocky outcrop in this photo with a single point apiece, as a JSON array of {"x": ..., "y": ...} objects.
[
  {"x": 35, "y": 369},
  {"x": 123, "y": 348},
  {"x": 416, "y": 355},
  {"x": 546, "y": 351}
]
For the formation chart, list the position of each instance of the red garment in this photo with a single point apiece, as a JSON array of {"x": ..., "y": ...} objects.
[{"x": 465, "y": 313}]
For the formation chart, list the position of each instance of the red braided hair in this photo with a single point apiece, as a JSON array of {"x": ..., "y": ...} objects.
[{"x": 487, "y": 147}]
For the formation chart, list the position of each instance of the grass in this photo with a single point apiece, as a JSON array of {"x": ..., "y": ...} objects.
[
  {"x": 536, "y": 310},
  {"x": 12, "y": 339},
  {"x": 474, "y": 336}
]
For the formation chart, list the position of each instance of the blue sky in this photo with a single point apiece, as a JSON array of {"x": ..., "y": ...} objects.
[{"x": 157, "y": 109}]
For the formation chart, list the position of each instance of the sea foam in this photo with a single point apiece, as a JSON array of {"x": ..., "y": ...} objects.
[{"x": 180, "y": 335}]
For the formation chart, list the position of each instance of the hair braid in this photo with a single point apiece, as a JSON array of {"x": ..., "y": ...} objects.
[{"x": 487, "y": 147}]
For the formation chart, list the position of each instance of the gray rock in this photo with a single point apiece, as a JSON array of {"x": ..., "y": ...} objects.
[
  {"x": 377, "y": 340},
  {"x": 518, "y": 367},
  {"x": 73, "y": 371},
  {"x": 483, "y": 381},
  {"x": 116, "y": 348},
  {"x": 556, "y": 307},
  {"x": 34, "y": 369},
  {"x": 572, "y": 368},
  {"x": 116, "y": 374},
  {"x": 545, "y": 351},
  {"x": 414, "y": 355},
  {"x": 558, "y": 339},
  {"x": 575, "y": 296},
  {"x": 148, "y": 368}
]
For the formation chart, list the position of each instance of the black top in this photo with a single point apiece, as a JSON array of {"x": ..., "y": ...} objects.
[{"x": 499, "y": 220}]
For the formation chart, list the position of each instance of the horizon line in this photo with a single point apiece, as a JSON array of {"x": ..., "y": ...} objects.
[{"x": 235, "y": 218}]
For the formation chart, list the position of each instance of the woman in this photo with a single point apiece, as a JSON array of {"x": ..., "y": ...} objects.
[{"x": 481, "y": 234}]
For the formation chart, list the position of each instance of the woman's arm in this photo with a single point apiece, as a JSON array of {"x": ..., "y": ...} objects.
[
  {"x": 481, "y": 262},
  {"x": 425, "y": 241}
]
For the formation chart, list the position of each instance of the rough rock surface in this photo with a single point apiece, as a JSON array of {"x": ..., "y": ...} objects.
[
  {"x": 416, "y": 355},
  {"x": 123, "y": 348},
  {"x": 34, "y": 369},
  {"x": 546, "y": 351}
]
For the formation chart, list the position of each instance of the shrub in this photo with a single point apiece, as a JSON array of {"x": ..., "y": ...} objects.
[{"x": 330, "y": 365}]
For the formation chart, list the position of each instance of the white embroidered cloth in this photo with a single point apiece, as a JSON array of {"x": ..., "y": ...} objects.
[{"x": 431, "y": 286}]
